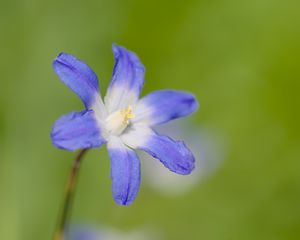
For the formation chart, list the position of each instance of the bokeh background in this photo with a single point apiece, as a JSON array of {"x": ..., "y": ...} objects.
[{"x": 241, "y": 60}]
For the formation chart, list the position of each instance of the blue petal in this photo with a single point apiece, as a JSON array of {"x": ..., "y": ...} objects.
[
  {"x": 164, "y": 105},
  {"x": 82, "y": 233},
  {"x": 127, "y": 80},
  {"x": 78, "y": 76},
  {"x": 172, "y": 154},
  {"x": 77, "y": 130},
  {"x": 125, "y": 172}
]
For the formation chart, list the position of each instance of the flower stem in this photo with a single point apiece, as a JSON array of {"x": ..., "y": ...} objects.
[{"x": 64, "y": 218}]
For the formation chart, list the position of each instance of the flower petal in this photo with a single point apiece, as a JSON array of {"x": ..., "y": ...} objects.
[
  {"x": 77, "y": 130},
  {"x": 127, "y": 80},
  {"x": 125, "y": 171},
  {"x": 164, "y": 105},
  {"x": 172, "y": 154},
  {"x": 78, "y": 76}
]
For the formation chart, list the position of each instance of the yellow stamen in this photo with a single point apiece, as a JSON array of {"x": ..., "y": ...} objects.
[{"x": 128, "y": 114}]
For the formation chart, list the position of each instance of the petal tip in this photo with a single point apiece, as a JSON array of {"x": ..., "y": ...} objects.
[
  {"x": 117, "y": 49},
  {"x": 115, "y": 46},
  {"x": 56, "y": 141},
  {"x": 61, "y": 56},
  {"x": 193, "y": 103},
  {"x": 187, "y": 165},
  {"x": 61, "y": 60},
  {"x": 123, "y": 201}
]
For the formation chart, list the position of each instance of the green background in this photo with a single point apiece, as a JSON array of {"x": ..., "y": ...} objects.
[{"x": 241, "y": 60}]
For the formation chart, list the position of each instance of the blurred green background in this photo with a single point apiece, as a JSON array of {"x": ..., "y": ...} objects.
[{"x": 241, "y": 60}]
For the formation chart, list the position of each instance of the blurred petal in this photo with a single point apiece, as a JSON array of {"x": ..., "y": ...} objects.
[
  {"x": 82, "y": 233},
  {"x": 127, "y": 80},
  {"x": 164, "y": 105},
  {"x": 78, "y": 76},
  {"x": 125, "y": 171},
  {"x": 174, "y": 155},
  {"x": 77, "y": 130}
]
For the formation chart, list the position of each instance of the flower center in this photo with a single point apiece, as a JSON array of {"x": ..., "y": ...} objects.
[{"x": 117, "y": 121}]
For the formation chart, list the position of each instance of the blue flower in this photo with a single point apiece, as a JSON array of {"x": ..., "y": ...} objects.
[{"x": 122, "y": 121}]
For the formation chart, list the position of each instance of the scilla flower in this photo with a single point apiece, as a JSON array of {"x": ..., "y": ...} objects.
[{"x": 122, "y": 121}]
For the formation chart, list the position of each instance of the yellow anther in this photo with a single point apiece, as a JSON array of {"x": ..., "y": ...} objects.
[{"x": 128, "y": 114}]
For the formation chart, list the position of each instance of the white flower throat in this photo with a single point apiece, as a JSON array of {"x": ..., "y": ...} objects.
[{"x": 117, "y": 121}]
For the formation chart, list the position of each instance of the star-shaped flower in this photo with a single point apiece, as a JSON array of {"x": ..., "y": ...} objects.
[{"x": 122, "y": 121}]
